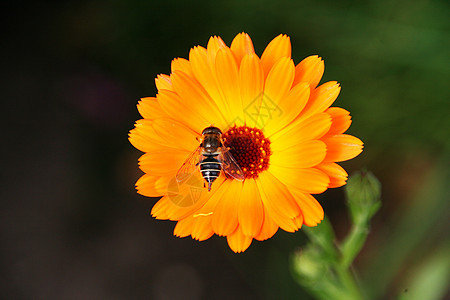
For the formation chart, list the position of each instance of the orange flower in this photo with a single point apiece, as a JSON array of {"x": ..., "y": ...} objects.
[{"x": 276, "y": 122}]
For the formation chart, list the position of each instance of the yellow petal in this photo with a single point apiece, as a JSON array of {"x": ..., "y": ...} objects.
[
  {"x": 159, "y": 210},
  {"x": 340, "y": 120},
  {"x": 279, "y": 47},
  {"x": 215, "y": 43},
  {"x": 149, "y": 108},
  {"x": 204, "y": 72},
  {"x": 184, "y": 227},
  {"x": 175, "y": 134},
  {"x": 308, "y": 180},
  {"x": 152, "y": 185},
  {"x": 284, "y": 223},
  {"x": 225, "y": 217},
  {"x": 338, "y": 176},
  {"x": 279, "y": 80},
  {"x": 167, "y": 132},
  {"x": 300, "y": 131},
  {"x": 241, "y": 46},
  {"x": 227, "y": 76},
  {"x": 250, "y": 211},
  {"x": 216, "y": 193},
  {"x": 312, "y": 211},
  {"x": 172, "y": 104},
  {"x": 309, "y": 70},
  {"x": 191, "y": 198},
  {"x": 195, "y": 221},
  {"x": 165, "y": 208},
  {"x": 277, "y": 195},
  {"x": 286, "y": 111},
  {"x": 304, "y": 155},
  {"x": 143, "y": 143},
  {"x": 164, "y": 162},
  {"x": 163, "y": 82},
  {"x": 238, "y": 241},
  {"x": 298, "y": 221},
  {"x": 145, "y": 131},
  {"x": 321, "y": 98},
  {"x": 181, "y": 64},
  {"x": 277, "y": 86},
  {"x": 341, "y": 147},
  {"x": 268, "y": 229},
  {"x": 201, "y": 229},
  {"x": 139, "y": 142},
  {"x": 149, "y": 135},
  {"x": 281, "y": 206},
  {"x": 251, "y": 82},
  {"x": 193, "y": 93},
  {"x": 191, "y": 221}
]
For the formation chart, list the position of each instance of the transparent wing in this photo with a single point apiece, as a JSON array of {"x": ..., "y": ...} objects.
[
  {"x": 230, "y": 166},
  {"x": 189, "y": 166}
]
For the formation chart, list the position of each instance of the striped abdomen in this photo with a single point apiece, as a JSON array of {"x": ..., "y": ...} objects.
[{"x": 210, "y": 168}]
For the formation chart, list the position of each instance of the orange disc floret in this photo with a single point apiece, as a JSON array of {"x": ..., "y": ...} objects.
[{"x": 250, "y": 149}]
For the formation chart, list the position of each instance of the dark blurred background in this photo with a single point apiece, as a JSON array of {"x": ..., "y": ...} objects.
[{"x": 72, "y": 225}]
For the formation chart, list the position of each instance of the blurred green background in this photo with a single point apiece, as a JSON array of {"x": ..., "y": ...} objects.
[{"x": 73, "y": 226}]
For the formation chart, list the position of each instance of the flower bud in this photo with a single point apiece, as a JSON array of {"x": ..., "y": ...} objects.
[
  {"x": 363, "y": 193},
  {"x": 308, "y": 266}
]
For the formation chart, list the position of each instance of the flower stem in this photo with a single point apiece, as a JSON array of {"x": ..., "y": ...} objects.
[
  {"x": 353, "y": 243},
  {"x": 347, "y": 279}
]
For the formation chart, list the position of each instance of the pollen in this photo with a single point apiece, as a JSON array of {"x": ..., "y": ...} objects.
[{"x": 250, "y": 149}]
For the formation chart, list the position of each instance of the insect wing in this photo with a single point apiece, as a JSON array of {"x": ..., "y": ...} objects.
[
  {"x": 189, "y": 166},
  {"x": 230, "y": 166}
]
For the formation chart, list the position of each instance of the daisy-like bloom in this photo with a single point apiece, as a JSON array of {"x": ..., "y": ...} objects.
[{"x": 276, "y": 122}]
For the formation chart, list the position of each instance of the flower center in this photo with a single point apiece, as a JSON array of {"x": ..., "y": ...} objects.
[{"x": 250, "y": 149}]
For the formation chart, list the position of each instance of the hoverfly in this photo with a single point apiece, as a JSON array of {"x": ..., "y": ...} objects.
[{"x": 212, "y": 156}]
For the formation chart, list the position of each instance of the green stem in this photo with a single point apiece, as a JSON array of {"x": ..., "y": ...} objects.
[
  {"x": 348, "y": 281},
  {"x": 353, "y": 243}
]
